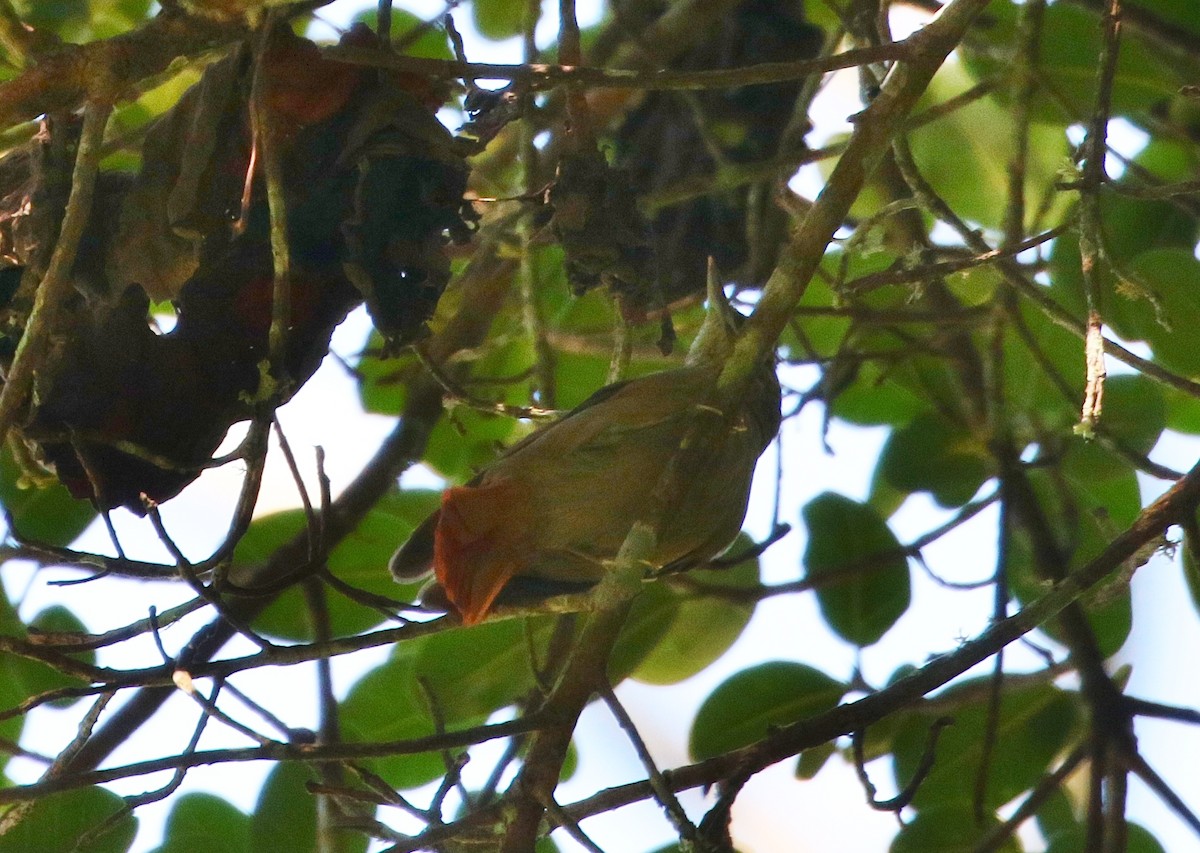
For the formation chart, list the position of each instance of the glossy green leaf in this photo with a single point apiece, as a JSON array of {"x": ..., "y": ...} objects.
[
  {"x": 1035, "y": 724},
  {"x": 1173, "y": 277},
  {"x": 387, "y": 705},
  {"x": 20, "y": 677},
  {"x": 499, "y": 19},
  {"x": 35, "y": 677},
  {"x": 870, "y": 397},
  {"x": 205, "y": 822},
  {"x": 933, "y": 455},
  {"x": 1190, "y": 565},
  {"x": 1182, "y": 411},
  {"x": 812, "y": 760},
  {"x": 418, "y": 37},
  {"x": 651, "y": 615},
  {"x": 897, "y": 393},
  {"x": 949, "y": 828},
  {"x": 1130, "y": 304},
  {"x": 857, "y": 563},
  {"x": 1134, "y": 416},
  {"x": 285, "y": 816},
  {"x": 1074, "y": 840},
  {"x": 465, "y": 440},
  {"x": 73, "y": 822},
  {"x": 1135, "y": 412},
  {"x": 745, "y": 706},
  {"x": 475, "y": 671},
  {"x": 383, "y": 382},
  {"x": 45, "y": 514},
  {"x": 1055, "y": 814},
  {"x": 703, "y": 626},
  {"x": 1085, "y": 512},
  {"x": 360, "y": 560},
  {"x": 965, "y": 155},
  {"x": 1145, "y": 75}
]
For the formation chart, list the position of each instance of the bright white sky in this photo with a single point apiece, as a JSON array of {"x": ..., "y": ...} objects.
[{"x": 775, "y": 814}]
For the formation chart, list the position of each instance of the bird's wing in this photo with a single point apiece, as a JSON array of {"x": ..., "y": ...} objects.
[
  {"x": 628, "y": 408},
  {"x": 414, "y": 559}
]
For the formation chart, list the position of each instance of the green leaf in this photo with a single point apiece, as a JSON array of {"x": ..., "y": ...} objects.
[
  {"x": 60, "y": 822},
  {"x": 1074, "y": 840},
  {"x": 743, "y": 709},
  {"x": 570, "y": 763},
  {"x": 1183, "y": 411},
  {"x": 475, "y": 671},
  {"x": 933, "y": 455},
  {"x": 1085, "y": 511},
  {"x": 1135, "y": 412},
  {"x": 499, "y": 19},
  {"x": 205, "y": 822},
  {"x": 285, "y": 816},
  {"x": 1190, "y": 565},
  {"x": 813, "y": 759},
  {"x": 383, "y": 382},
  {"x": 46, "y": 514},
  {"x": 1035, "y": 725},
  {"x": 949, "y": 828},
  {"x": 386, "y": 705},
  {"x": 861, "y": 573},
  {"x": 418, "y": 37},
  {"x": 1131, "y": 303},
  {"x": 899, "y": 392},
  {"x": 1133, "y": 418},
  {"x": 1173, "y": 277},
  {"x": 701, "y": 627},
  {"x": 465, "y": 440},
  {"x": 36, "y": 677},
  {"x": 965, "y": 154},
  {"x": 1055, "y": 814},
  {"x": 650, "y": 617},
  {"x": 360, "y": 560},
  {"x": 1145, "y": 75}
]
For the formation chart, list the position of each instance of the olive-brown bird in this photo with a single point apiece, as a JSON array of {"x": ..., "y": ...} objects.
[{"x": 550, "y": 511}]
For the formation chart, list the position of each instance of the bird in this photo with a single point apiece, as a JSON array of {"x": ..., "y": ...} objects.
[{"x": 546, "y": 516}]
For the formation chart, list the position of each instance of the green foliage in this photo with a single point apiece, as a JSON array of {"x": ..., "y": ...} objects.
[
  {"x": 42, "y": 513},
  {"x": 951, "y": 828},
  {"x": 386, "y": 705},
  {"x": 499, "y": 19},
  {"x": 1075, "y": 839},
  {"x": 705, "y": 619},
  {"x": 1034, "y": 725},
  {"x": 747, "y": 705},
  {"x": 355, "y": 561},
  {"x": 87, "y": 820},
  {"x": 285, "y": 816},
  {"x": 205, "y": 822},
  {"x": 859, "y": 568},
  {"x": 931, "y": 454}
]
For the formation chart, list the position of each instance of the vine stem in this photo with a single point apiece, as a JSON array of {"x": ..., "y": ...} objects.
[{"x": 56, "y": 285}]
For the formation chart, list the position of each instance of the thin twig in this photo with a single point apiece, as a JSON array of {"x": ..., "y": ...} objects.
[{"x": 662, "y": 791}]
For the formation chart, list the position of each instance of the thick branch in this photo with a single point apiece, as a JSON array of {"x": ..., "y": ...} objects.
[
  {"x": 875, "y": 128},
  {"x": 61, "y": 80}
]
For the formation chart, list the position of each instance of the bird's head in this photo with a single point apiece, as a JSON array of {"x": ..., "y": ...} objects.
[{"x": 718, "y": 332}]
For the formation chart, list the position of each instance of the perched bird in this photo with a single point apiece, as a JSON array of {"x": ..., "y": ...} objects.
[{"x": 546, "y": 515}]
